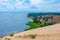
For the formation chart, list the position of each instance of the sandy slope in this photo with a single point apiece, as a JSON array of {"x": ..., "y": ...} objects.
[
  {"x": 46, "y": 33},
  {"x": 0, "y": 39}
]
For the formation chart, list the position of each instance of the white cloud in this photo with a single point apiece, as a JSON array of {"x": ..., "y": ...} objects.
[
  {"x": 39, "y": 2},
  {"x": 36, "y": 2},
  {"x": 21, "y": 5},
  {"x": 48, "y": 8},
  {"x": 4, "y": 0},
  {"x": 6, "y": 5},
  {"x": 40, "y": 5},
  {"x": 49, "y": 1},
  {"x": 17, "y": 5}
]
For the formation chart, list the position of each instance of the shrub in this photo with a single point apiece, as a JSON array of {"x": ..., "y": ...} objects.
[
  {"x": 33, "y": 36},
  {"x": 50, "y": 23},
  {"x": 12, "y": 34},
  {"x": 7, "y": 38},
  {"x": 45, "y": 24}
]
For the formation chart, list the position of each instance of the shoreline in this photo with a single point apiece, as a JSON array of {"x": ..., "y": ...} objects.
[{"x": 53, "y": 31}]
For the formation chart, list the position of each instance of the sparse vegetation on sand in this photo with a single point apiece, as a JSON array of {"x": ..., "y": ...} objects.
[
  {"x": 12, "y": 34},
  {"x": 33, "y": 36},
  {"x": 7, "y": 38}
]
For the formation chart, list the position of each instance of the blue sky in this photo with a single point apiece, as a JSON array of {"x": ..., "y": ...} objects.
[{"x": 30, "y": 5}]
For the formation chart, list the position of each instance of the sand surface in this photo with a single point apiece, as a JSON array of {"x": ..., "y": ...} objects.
[
  {"x": 0, "y": 39},
  {"x": 45, "y": 33}
]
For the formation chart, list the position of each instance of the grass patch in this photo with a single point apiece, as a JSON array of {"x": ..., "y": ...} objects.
[
  {"x": 33, "y": 25},
  {"x": 37, "y": 25}
]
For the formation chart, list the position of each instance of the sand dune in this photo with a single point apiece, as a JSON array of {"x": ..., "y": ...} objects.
[
  {"x": 0, "y": 39},
  {"x": 45, "y": 33}
]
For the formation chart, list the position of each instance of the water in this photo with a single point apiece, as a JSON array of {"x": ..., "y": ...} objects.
[{"x": 12, "y": 23}]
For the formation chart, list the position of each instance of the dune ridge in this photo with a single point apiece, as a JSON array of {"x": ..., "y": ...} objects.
[{"x": 45, "y": 33}]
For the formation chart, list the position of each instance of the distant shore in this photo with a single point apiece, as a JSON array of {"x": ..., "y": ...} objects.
[{"x": 42, "y": 19}]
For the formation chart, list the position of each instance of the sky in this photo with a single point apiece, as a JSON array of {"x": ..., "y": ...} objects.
[{"x": 30, "y": 5}]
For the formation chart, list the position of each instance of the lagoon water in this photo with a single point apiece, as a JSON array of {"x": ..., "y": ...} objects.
[{"x": 13, "y": 23}]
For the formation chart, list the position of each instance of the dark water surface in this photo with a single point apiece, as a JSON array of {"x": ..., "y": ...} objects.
[{"x": 12, "y": 23}]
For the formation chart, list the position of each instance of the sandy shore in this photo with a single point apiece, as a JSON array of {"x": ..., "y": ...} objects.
[{"x": 45, "y": 33}]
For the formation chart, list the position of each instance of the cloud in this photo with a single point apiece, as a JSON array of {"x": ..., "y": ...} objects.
[
  {"x": 49, "y": 8},
  {"x": 5, "y": 5},
  {"x": 17, "y": 4},
  {"x": 49, "y": 1},
  {"x": 46, "y": 6},
  {"x": 35, "y": 2},
  {"x": 39, "y": 2},
  {"x": 35, "y": 5}
]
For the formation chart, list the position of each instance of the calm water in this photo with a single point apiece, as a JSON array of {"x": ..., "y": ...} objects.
[{"x": 12, "y": 23}]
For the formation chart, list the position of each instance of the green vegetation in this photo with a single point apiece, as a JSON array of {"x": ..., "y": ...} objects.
[
  {"x": 33, "y": 36},
  {"x": 40, "y": 20},
  {"x": 7, "y": 38},
  {"x": 46, "y": 24},
  {"x": 37, "y": 25},
  {"x": 33, "y": 25}
]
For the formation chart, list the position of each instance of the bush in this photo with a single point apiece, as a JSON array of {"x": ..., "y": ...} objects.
[
  {"x": 12, "y": 34},
  {"x": 50, "y": 23},
  {"x": 7, "y": 38},
  {"x": 45, "y": 24},
  {"x": 33, "y": 36}
]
